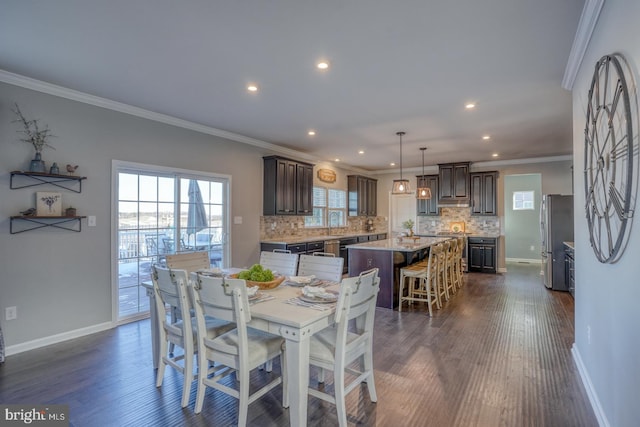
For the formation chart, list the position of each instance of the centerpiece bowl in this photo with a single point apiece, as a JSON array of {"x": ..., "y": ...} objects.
[{"x": 264, "y": 286}]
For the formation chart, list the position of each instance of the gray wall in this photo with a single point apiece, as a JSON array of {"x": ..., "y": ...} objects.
[
  {"x": 607, "y": 336},
  {"x": 60, "y": 281},
  {"x": 522, "y": 227}
]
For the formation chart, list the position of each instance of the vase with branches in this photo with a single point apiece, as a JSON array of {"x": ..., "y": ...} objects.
[{"x": 36, "y": 135}]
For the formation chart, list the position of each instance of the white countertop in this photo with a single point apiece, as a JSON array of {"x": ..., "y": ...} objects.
[
  {"x": 305, "y": 239},
  {"x": 406, "y": 245}
]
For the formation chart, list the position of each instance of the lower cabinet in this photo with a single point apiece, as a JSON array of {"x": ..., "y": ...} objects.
[
  {"x": 483, "y": 254},
  {"x": 569, "y": 268}
]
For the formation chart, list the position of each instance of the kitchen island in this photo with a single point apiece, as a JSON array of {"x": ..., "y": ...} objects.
[{"x": 381, "y": 254}]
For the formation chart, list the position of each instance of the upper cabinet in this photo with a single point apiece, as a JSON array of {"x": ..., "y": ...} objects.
[
  {"x": 454, "y": 183},
  {"x": 363, "y": 195},
  {"x": 288, "y": 187},
  {"x": 428, "y": 207},
  {"x": 483, "y": 193}
]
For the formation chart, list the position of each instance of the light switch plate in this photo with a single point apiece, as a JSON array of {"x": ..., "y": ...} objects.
[
  {"x": 91, "y": 220},
  {"x": 237, "y": 220}
]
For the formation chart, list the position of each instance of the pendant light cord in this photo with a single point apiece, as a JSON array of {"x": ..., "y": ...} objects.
[{"x": 400, "y": 135}]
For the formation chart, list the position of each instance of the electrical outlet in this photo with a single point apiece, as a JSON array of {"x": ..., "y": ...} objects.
[
  {"x": 273, "y": 225},
  {"x": 11, "y": 313},
  {"x": 91, "y": 220}
]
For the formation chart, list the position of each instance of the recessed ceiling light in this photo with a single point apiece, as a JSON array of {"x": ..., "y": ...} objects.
[
  {"x": 311, "y": 133},
  {"x": 392, "y": 164},
  {"x": 486, "y": 137},
  {"x": 495, "y": 154},
  {"x": 252, "y": 87},
  {"x": 337, "y": 160},
  {"x": 322, "y": 65},
  {"x": 361, "y": 152},
  {"x": 470, "y": 105}
]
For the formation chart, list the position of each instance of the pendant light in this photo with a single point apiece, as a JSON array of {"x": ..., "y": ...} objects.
[
  {"x": 423, "y": 192},
  {"x": 401, "y": 186}
]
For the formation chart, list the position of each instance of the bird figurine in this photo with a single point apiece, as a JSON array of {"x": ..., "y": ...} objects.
[
  {"x": 71, "y": 169},
  {"x": 29, "y": 212}
]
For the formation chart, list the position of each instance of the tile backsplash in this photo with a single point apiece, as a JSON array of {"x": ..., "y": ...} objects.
[
  {"x": 473, "y": 224},
  {"x": 281, "y": 226}
]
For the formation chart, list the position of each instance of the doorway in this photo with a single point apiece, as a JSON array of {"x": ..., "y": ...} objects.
[{"x": 522, "y": 194}]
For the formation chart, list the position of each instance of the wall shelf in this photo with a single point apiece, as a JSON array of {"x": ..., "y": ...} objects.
[
  {"x": 68, "y": 182},
  {"x": 69, "y": 223}
]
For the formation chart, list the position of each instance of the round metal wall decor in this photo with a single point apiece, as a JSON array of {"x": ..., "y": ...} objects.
[{"x": 610, "y": 166}]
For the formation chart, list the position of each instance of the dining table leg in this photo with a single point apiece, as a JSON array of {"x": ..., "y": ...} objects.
[{"x": 297, "y": 351}]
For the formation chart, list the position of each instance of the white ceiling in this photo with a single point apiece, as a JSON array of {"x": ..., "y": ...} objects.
[{"x": 406, "y": 65}]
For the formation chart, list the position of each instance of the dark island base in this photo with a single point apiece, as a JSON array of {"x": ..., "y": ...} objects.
[{"x": 365, "y": 259}]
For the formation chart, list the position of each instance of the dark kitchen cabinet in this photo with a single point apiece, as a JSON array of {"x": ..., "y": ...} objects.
[
  {"x": 483, "y": 193},
  {"x": 453, "y": 183},
  {"x": 428, "y": 207},
  {"x": 483, "y": 254},
  {"x": 287, "y": 187},
  {"x": 304, "y": 189},
  {"x": 363, "y": 195}
]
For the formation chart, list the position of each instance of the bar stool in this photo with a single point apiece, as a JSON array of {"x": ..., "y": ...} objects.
[
  {"x": 451, "y": 269},
  {"x": 422, "y": 279},
  {"x": 460, "y": 262}
]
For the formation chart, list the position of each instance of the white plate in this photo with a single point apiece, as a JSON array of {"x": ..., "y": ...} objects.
[
  {"x": 314, "y": 282},
  {"x": 256, "y": 296},
  {"x": 318, "y": 299}
]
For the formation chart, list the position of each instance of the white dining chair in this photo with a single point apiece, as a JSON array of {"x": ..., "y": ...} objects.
[
  {"x": 323, "y": 267},
  {"x": 337, "y": 347},
  {"x": 282, "y": 263},
  {"x": 189, "y": 261},
  {"x": 170, "y": 288},
  {"x": 239, "y": 350}
]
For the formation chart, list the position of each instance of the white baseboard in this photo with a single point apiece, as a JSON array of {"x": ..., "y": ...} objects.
[
  {"x": 525, "y": 260},
  {"x": 591, "y": 393},
  {"x": 54, "y": 339}
]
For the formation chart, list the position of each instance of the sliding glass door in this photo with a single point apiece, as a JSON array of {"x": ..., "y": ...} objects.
[{"x": 158, "y": 212}]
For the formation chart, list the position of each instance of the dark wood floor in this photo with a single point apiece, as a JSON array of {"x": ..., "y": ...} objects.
[{"x": 497, "y": 354}]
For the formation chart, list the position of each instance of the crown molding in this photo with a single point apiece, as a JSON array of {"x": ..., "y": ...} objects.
[
  {"x": 474, "y": 165},
  {"x": 85, "y": 98},
  {"x": 587, "y": 24}
]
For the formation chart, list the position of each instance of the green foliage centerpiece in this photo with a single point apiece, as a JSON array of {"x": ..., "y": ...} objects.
[{"x": 259, "y": 276}]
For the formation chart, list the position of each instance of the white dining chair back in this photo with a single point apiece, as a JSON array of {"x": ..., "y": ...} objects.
[
  {"x": 239, "y": 350},
  {"x": 189, "y": 261},
  {"x": 323, "y": 267},
  {"x": 337, "y": 347},
  {"x": 170, "y": 288},
  {"x": 282, "y": 263}
]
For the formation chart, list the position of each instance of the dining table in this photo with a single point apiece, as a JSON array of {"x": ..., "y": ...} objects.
[{"x": 279, "y": 312}]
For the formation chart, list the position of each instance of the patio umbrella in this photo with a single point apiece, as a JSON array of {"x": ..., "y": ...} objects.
[{"x": 196, "y": 215}]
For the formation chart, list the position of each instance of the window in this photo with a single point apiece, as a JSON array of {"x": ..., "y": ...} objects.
[
  {"x": 160, "y": 211},
  {"x": 523, "y": 200},
  {"x": 329, "y": 208}
]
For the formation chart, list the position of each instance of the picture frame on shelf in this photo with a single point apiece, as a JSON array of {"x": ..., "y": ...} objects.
[{"x": 48, "y": 204}]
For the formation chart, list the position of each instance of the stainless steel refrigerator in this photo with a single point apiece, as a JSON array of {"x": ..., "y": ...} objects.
[{"x": 556, "y": 226}]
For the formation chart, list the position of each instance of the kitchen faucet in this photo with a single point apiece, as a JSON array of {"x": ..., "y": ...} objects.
[{"x": 331, "y": 216}]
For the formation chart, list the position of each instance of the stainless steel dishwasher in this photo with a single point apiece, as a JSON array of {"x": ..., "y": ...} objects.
[{"x": 332, "y": 247}]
